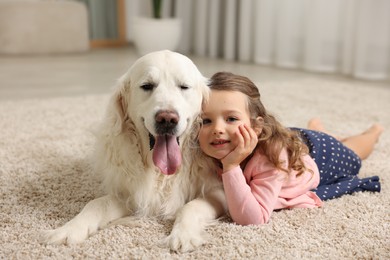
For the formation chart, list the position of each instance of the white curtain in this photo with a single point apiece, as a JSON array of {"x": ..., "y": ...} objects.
[{"x": 350, "y": 37}]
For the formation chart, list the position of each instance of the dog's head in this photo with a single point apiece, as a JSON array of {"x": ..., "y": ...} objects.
[{"x": 161, "y": 94}]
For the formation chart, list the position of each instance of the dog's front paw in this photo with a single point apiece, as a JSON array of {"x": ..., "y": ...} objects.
[
  {"x": 67, "y": 234},
  {"x": 185, "y": 239}
]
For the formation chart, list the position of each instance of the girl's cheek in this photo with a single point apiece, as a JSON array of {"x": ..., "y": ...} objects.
[{"x": 200, "y": 136}]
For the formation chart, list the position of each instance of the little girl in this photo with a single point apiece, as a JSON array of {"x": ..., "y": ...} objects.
[{"x": 265, "y": 166}]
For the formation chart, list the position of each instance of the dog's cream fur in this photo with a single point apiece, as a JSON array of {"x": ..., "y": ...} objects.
[{"x": 193, "y": 196}]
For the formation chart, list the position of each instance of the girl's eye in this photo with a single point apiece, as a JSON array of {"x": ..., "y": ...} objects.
[
  {"x": 206, "y": 121},
  {"x": 231, "y": 119}
]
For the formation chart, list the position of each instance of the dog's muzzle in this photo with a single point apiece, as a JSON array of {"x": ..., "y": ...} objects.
[{"x": 166, "y": 122}]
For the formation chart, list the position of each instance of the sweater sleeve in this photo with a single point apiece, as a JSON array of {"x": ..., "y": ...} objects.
[{"x": 253, "y": 202}]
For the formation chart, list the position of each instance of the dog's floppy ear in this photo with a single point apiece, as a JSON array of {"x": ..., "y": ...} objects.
[{"x": 118, "y": 107}]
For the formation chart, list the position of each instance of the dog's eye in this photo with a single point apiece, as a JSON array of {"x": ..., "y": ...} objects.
[
  {"x": 184, "y": 87},
  {"x": 147, "y": 86}
]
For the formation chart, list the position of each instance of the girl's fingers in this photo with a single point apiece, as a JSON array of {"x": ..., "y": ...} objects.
[
  {"x": 249, "y": 135},
  {"x": 252, "y": 133},
  {"x": 244, "y": 132},
  {"x": 254, "y": 138}
]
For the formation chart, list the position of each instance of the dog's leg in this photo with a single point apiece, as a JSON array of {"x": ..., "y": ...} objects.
[
  {"x": 96, "y": 214},
  {"x": 188, "y": 229}
]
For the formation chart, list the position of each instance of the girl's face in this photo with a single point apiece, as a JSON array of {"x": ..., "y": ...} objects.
[{"x": 221, "y": 116}]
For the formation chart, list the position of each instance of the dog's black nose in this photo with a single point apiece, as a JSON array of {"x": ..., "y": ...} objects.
[{"x": 166, "y": 122}]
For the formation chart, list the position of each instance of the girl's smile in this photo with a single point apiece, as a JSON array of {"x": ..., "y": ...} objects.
[{"x": 219, "y": 143}]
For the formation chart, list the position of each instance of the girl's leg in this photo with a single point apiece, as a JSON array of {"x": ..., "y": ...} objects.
[
  {"x": 316, "y": 125},
  {"x": 362, "y": 144}
]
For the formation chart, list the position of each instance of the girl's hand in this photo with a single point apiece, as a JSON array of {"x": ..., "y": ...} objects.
[{"x": 246, "y": 140}]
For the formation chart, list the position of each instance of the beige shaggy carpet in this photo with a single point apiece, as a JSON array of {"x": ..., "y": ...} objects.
[{"x": 45, "y": 181}]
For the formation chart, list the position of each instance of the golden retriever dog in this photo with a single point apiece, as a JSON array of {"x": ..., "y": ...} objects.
[{"x": 146, "y": 151}]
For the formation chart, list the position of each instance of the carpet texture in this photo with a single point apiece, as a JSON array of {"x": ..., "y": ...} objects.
[{"x": 45, "y": 181}]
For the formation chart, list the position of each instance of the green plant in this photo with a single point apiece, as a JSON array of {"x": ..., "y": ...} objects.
[{"x": 156, "y": 4}]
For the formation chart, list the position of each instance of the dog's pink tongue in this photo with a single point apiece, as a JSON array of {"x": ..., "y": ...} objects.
[{"x": 166, "y": 154}]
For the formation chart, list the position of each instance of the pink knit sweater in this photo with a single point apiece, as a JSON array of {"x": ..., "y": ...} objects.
[{"x": 252, "y": 195}]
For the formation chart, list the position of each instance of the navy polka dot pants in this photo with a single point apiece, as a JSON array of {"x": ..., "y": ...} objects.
[{"x": 338, "y": 166}]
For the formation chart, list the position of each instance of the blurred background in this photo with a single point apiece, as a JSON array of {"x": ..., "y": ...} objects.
[{"x": 349, "y": 38}]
